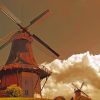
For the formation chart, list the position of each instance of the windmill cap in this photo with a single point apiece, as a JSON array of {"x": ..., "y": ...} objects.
[{"x": 77, "y": 90}]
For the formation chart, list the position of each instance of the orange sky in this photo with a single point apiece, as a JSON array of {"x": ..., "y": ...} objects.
[{"x": 73, "y": 26}]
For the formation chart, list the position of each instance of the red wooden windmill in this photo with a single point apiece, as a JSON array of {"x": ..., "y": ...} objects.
[{"x": 21, "y": 67}]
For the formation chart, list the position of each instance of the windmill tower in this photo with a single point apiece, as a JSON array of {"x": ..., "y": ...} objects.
[{"x": 21, "y": 67}]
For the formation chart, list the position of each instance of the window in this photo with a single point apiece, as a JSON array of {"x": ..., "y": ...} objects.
[{"x": 26, "y": 92}]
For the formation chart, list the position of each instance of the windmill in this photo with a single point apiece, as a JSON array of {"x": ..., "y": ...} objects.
[
  {"x": 21, "y": 67},
  {"x": 78, "y": 92},
  {"x": 80, "y": 89}
]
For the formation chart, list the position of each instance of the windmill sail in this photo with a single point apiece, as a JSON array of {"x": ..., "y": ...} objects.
[
  {"x": 81, "y": 85},
  {"x": 45, "y": 45},
  {"x": 9, "y": 14},
  {"x": 6, "y": 39},
  {"x": 38, "y": 17}
]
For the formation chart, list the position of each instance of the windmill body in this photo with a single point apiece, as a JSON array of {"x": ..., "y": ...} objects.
[{"x": 21, "y": 67}]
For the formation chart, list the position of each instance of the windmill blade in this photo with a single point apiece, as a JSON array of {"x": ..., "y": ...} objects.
[
  {"x": 2, "y": 46},
  {"x": 84, "y": 93},
  {"x": 7, "y": 39},
  {"x": 38, "y": 17},
  {"x": 9, "y": 14},
  {"x": 81, "y": 85},
  {"x": 75, "y": 86},
  {"x": 44, "y": 44}
]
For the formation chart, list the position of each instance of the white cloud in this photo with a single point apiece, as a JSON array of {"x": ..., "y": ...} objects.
[{"x": 80, "y": 67}]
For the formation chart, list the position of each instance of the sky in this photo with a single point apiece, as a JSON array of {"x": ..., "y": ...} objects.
[{"x": 72, "y": 27}]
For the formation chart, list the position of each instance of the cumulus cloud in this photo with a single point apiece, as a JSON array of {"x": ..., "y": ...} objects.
[{"x": 77, "y": 68}]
